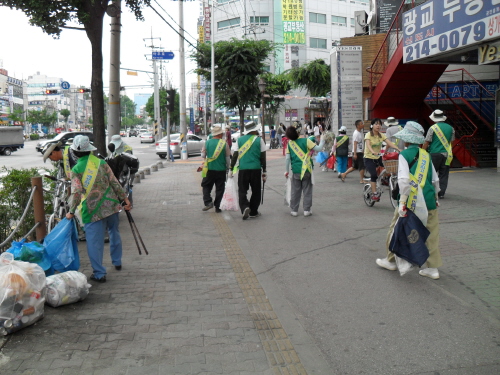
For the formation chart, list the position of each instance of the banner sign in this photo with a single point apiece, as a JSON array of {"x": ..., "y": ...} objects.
[
  {"x": 440, "y": 26},
  {"x": 292, "y": 13}
]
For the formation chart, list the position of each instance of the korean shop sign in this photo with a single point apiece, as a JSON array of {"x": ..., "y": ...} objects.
[{"x": 441, "y": 26}]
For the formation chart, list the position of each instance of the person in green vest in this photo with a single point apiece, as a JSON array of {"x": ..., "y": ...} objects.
[
  {"x": 251, "y": 154},
  {"x": 438, "y": 143},
  {"x": 298, "y": 155},
  {"x": 96, "y": 197},
  {"x": 341, "y": 150},
  {"x": 120, "y": 146},
  {"x": 421, "y": 170},
  {"x": 217, "y": 155},
  {"x": 392, "y": 128}
]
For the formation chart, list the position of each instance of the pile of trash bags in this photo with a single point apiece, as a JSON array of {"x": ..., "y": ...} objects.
[
  {"x": 22, "y": 294},
  {"x": 67, "y": 287}
]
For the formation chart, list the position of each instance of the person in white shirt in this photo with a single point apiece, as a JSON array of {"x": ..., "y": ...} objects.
[{"x": 357, "y": 152}]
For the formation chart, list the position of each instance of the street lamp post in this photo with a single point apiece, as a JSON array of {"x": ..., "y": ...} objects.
[{"x": 262, "y": 89}]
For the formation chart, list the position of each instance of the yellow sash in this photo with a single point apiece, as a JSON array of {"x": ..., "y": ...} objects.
[
  {"x": 243, "y": 150},
  {"x": 218, "y": 149},
  {"x": 66, "y": 165},
  {"x": 342, "y": 141},
  {"x": 305, "y": 157},
  {"x": 419, "y": 178},
  {"x": 444, "y": 142},
  {"x": 88, "y": 180}
]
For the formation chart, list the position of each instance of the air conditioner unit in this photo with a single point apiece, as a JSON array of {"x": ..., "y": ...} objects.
[{"x": 360, "y": 22}]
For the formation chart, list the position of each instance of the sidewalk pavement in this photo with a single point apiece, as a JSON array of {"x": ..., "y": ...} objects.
[{"x": 195, "y": 304}]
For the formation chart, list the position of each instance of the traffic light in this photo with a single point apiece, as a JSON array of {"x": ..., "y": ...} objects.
[
  {"x": 82, "y": 90},
  {"x": 171, "y": 100},
  {"x": 48, "y": 92}
]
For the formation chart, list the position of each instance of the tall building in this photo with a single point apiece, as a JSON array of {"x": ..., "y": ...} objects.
[
  {"x": 308, "y": 30},
  {"x": 141, "y": 100},
  {"x": 11, "y": 96}
]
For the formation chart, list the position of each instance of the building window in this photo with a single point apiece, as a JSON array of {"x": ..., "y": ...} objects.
[
  {"x": 337, "y": 20},
  {"x": 233, "y": 22},
  {"x": 353, "y": 22},
  {"x": 317, "y": 18},
  {"x": 259, "y": 20},
  {"x": 318, "y": 43}
]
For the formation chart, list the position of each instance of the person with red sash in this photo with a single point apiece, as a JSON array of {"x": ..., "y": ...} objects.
[
  {"x": 418, "y": 187},
  {"x": 298, "y": 155},
  {"x": 341, "y": 150},
  {"x": 217, "y": 155},
  {"x": 250, "y": 153},
  {"x": 438, "y": 143},
  {"x": 96, "y": 197}
]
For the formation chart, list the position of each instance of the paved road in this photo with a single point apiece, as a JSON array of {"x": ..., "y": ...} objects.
[{"x": 278, "y": 294}]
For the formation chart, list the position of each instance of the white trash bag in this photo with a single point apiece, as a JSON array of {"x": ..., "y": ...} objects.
[
  {"x": 288, "y": 191},
  {"x": 66, "y": 287},
  {"x": 230, "y": 198}
]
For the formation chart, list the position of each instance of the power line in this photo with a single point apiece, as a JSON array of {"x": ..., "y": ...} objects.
[{"x": 174, "y": 20}]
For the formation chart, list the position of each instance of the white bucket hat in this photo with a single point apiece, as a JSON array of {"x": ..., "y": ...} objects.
[
  {"x": 251, "y": 127},
  {"x": 343, "y": 129},
  {"x": 216, "y": 130},
  {"x": 413, "y": 133},
  {"x": 391, "y": 121},
  {"x": 116, "y": 140},
  {"x": 49, "y": 150},
  {"x": 438, "y": 116},
  {"x": 82, "y": 143}
]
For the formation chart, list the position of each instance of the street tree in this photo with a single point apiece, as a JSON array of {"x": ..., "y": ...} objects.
[
  {"x": 65, "y": 113},
  {"x": 42, "y": 117},
  {"x": 315, "y": 78},
  {"x": 277, "y": 86},
  {"x": 53, "y": 16},
  {"x": 239, "y": 65},
  {"x": 17, "y": 115},
  {"x": 174, "y": 116}
]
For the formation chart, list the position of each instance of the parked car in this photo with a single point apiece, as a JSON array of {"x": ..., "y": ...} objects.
[
  {"x": 132, "y": 133},
  {"x": 147, "y": 137},
  {"x": 194, "y": 145},
  {"x": 123, "y": 133},
  {"x": 64, "y": 138}
]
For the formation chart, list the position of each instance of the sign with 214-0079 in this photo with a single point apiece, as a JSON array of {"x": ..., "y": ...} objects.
[{"x": 441, "y": 26}]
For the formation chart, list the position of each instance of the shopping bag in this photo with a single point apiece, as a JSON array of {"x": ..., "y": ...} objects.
[
  {"x": 321, "y": 157},
  {"x": 21, "y": 293},
  {"x": 62, "y": 246},
  {"x": 230, "y": 198},
  {"x": 67, "y": 287},
  {"x": 32, "y": 252},
  {"x": 288, "y": 190},
  {"x": 330, "y": 164}
]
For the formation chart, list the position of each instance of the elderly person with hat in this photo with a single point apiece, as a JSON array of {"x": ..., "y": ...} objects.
[
  {"x": 217, "y": 155},
  {"x": 341, "y": 150},
  {"x": 95, "y": 198},
  {"x": 392, "y": 128},
  {"x": 250, "y": 152},
  {"x": 415, "y": 166},
  {"x": 64, "y": 155},
  {"x": 438, "y": 143},
  {"x": 120, "y": 146}
]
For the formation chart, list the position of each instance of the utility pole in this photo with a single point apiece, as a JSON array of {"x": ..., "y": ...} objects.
[
  {"x": 168, "y": 123},
  {"x": 114, "y": 69},
  {"x": 212, "y": 72},
  {"x": 156, "y": 95},
  {"x": 182, "y": 89}
]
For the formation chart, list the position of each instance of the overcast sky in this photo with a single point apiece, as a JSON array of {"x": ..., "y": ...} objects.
[{"x": 26, "y": 49}]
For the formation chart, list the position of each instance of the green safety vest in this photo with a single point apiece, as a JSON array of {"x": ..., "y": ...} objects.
[{"x": 251, "y": 158}]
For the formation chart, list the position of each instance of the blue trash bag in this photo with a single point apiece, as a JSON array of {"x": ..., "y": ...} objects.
[
  {"x": 32, "y": 252},
  {"x": 321, "y": 157},
  {"x": 62, "y": 246}
]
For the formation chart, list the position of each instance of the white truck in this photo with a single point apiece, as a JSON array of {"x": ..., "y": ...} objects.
[{"x": 11, "y": 139}]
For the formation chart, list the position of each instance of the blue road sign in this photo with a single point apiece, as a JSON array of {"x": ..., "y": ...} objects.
[
  {"x": 65, "y": 85},
  {"x": 163, "y": 55}
]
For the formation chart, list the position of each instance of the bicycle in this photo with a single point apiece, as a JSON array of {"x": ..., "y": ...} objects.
[
  {"x": 274, "y": 144},
  {"x": 390, "y": 170},
  {"x": 60, "y": 201}
]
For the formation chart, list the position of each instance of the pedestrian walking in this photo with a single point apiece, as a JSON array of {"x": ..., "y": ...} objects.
[
  {"x": 279, "y": 134},
  {"x": 298, "y": 155},
  {"x": 217, "y": 154},
  {"x": 357, "y": 152},
  {"x": 341, "y": 150},
  {"x": 95, "y": 198},
  {"x": 372, "y": 158},
  {"x": 438, "y": 143},
  {"x": 421, "y": 175},
  {"x": 392, "y": 128},
  {"x": 250, "y": 153},
  {"x": 228, "y": 137},
  {"x": 318, "y": 131}
]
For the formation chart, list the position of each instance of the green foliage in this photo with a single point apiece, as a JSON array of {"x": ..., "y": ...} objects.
[
  {"x": 65, "y": 113},
  {"x": 34, "y": 137},
  {"x": 42, "y": 117},
  {"x": 174, "y": 117},
  {"x": 277, "y": 85},
  {"x": 51, "y": 135},
  {"x": 14, "y": 196},
  {"x": 16, "y": 115},
  {"x": 239, "y": 65},
  {"x": 314, "y": 76}
]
